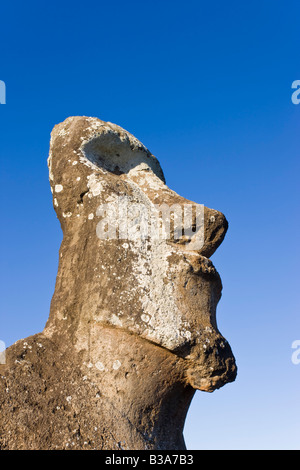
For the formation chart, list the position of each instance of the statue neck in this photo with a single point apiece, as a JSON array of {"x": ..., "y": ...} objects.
[{"x": 142, "y": 391}]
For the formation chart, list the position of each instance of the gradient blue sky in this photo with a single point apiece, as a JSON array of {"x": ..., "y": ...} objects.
[{"x": 207, "y": 87}]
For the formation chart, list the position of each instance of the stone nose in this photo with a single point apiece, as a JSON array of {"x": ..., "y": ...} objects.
[
  {"x": 211, "y": 364},
  {"x": 215, "y": 226}
]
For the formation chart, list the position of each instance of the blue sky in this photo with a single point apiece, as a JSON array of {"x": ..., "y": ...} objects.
[{"x": 206, "y": 86}]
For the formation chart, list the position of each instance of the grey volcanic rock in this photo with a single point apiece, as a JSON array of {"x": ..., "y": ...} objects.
[{"x": 132, "y": 329}]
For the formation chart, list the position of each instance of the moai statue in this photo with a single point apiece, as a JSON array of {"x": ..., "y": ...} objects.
[{"x": 132, "y": 330}]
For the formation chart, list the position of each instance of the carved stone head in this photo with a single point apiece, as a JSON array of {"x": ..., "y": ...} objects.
[{"x": 135, "y": 255}]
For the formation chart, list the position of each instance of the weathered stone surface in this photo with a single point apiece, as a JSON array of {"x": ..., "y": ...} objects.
[{"x": 132, "y": 328}]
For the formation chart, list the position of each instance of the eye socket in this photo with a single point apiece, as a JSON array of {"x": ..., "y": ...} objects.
[{"x": 116, "y": 153}]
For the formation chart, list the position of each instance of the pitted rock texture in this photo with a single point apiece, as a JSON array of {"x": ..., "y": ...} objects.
[{"x": 132, "y": 330}]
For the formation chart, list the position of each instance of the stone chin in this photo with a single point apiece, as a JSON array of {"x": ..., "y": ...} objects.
[{"x": 212, "y": 370}]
